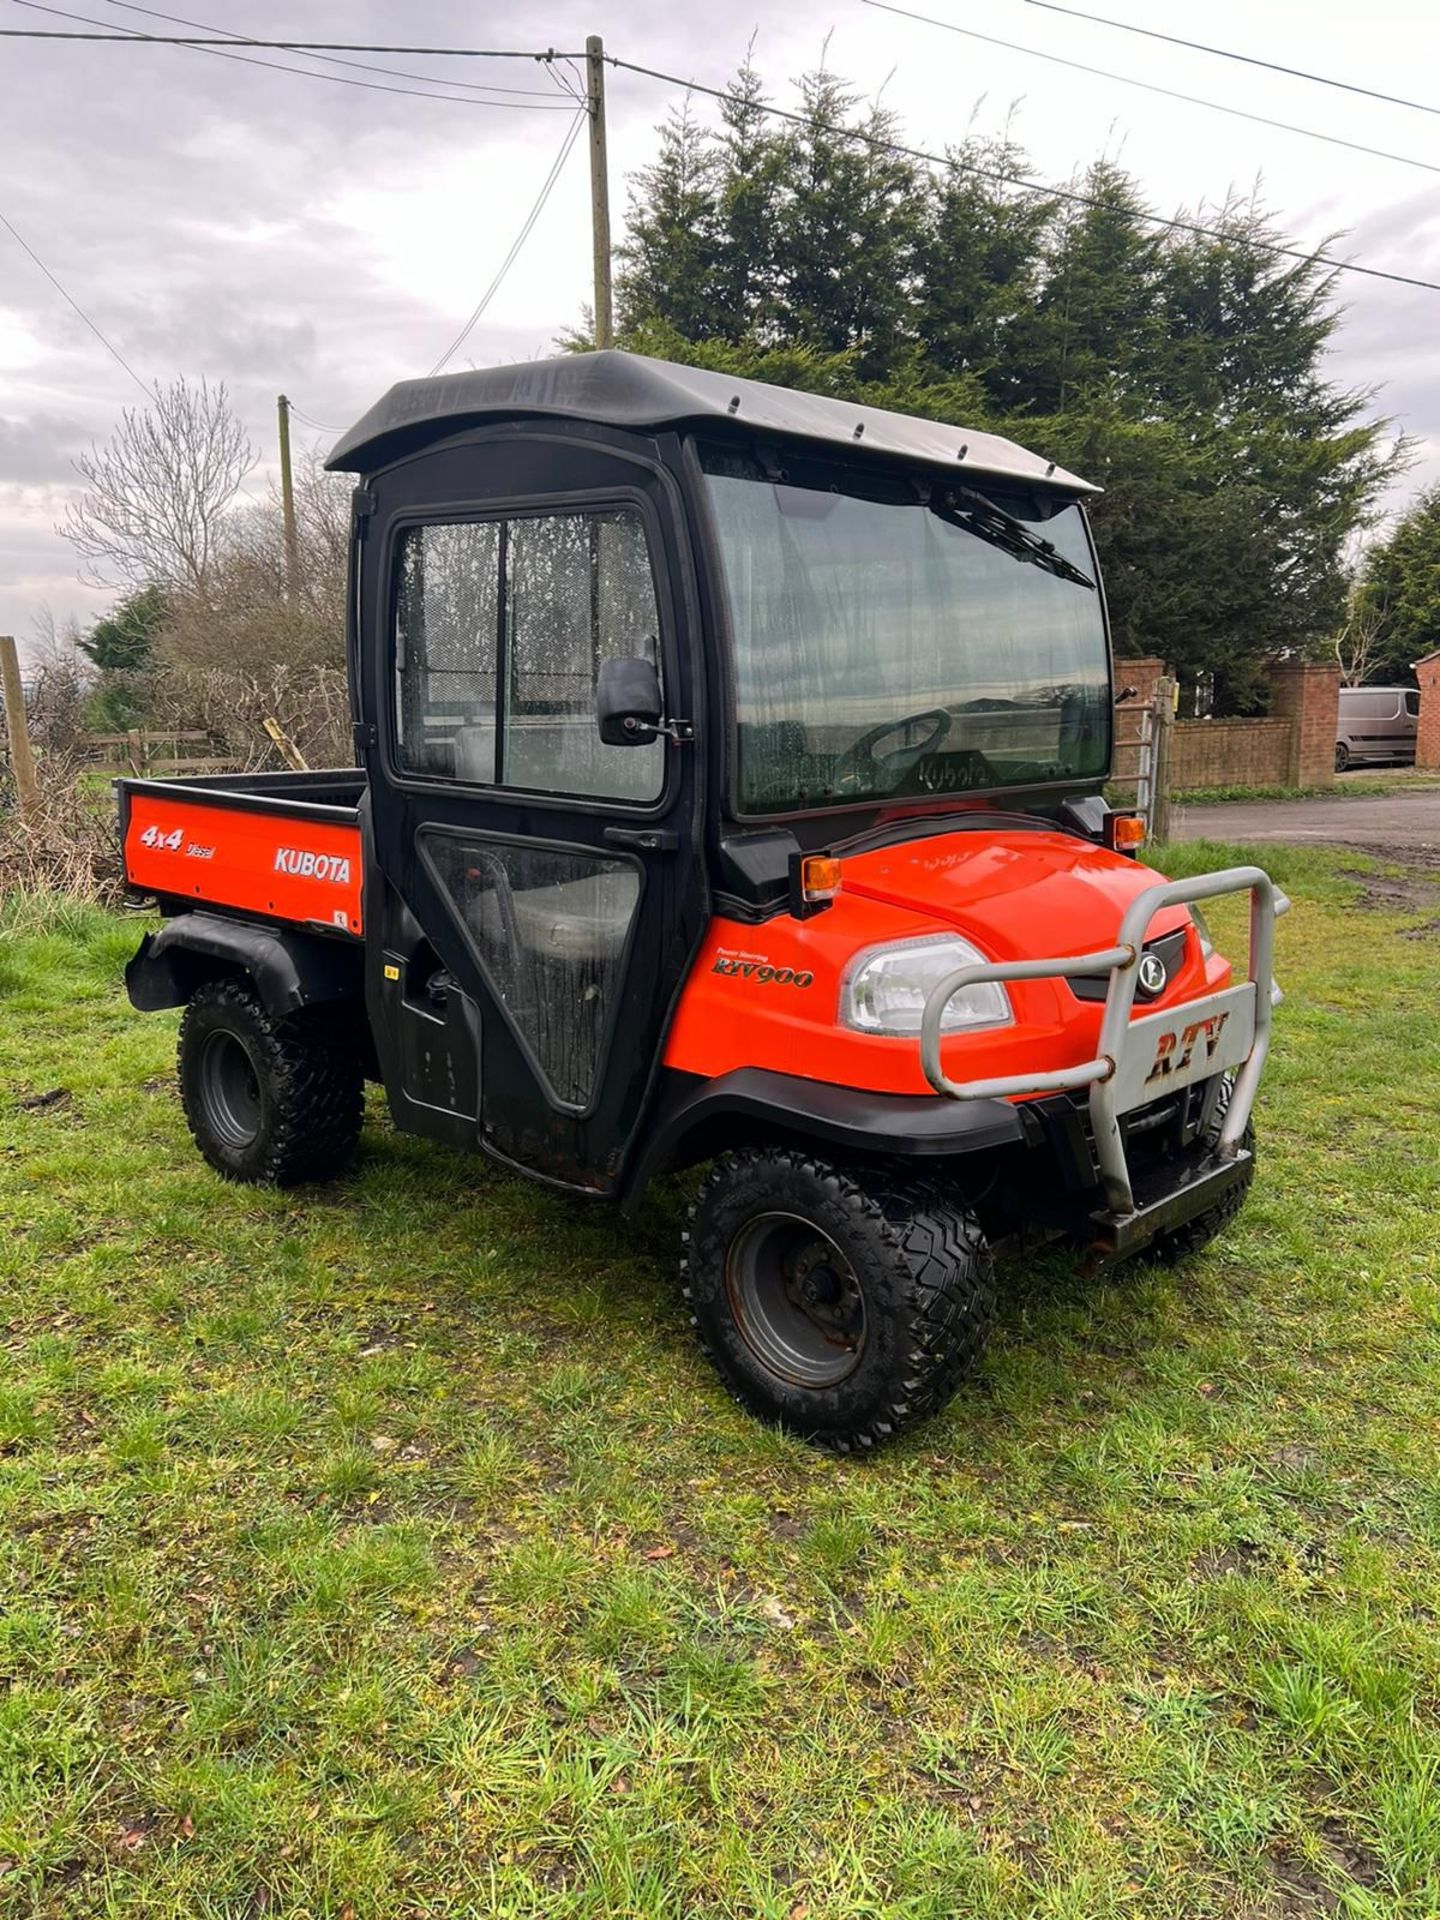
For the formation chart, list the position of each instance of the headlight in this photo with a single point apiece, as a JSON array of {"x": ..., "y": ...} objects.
[
  {"x": 1207, "y": 945},
  {"x": 885, "y": 988}
]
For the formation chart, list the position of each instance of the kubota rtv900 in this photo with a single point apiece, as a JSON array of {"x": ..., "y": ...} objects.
[{"x": 729, "y": 791}]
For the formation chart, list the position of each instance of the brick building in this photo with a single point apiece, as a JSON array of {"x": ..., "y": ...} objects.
[{"x": 1427, "y": 739}]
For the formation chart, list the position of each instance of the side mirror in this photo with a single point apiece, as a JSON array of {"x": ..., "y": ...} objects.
[{"x": 628, "y": 706}]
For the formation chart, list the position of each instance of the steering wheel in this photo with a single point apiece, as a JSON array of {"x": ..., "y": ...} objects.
[{"x": 860, "y": 754}]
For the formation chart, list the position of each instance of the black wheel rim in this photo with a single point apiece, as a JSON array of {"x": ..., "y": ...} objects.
[
  {"x": 795, "y": 1299},
  {"x": 230, "y": 1089}
]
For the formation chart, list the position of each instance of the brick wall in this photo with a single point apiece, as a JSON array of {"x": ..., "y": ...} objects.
[
  {"x": 1427, "y": 740},
  {"x": 1307, "y": 692},
  {"x": 1230, "y": 753},
  {"x": 1141, "y": 674},
  {"x": 1294, "y": 747}
]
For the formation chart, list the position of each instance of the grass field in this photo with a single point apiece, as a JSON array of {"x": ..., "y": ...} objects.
[
  {"x": 1366, "y": 783},
  {"x": 387, "y": 1550}
]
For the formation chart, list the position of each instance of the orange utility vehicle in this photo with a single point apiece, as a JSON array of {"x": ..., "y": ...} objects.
[{"x": 729, "y": 791}]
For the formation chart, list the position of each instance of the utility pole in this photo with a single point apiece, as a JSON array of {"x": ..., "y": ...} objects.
[
  {"x": 599, "y": 190},
  {"x": 287, "y": 499},
  {"x": 22, "y": 760}
]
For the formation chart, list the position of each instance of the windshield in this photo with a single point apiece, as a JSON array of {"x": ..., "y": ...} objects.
[{"x": 896, "y": 637}]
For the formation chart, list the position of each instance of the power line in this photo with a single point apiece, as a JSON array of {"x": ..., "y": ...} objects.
[
  {"x": 1071, "y": 195},
  {"x": 320, "y": 426},
  {"x": 125, "y": 36},
  {"x": 225, "y": 51},
  {"x": 71, "y": 301},
  {"x": 1225, "y": 53},
  {"x": 524, "y": 234},
  {"x": 552, "y": 54},
  {"x": 331, "y": 60},
  {"x": 1149, "y": 86},
  {"x": 574, "y": 87},
  {"x": 1067, "y": 194}
]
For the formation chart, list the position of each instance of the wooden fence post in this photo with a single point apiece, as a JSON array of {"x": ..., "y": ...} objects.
[
  {"x": 289, "y": 752},
  {"x": 22, "y": 760},
  {"x": 1166, "y": 690}
]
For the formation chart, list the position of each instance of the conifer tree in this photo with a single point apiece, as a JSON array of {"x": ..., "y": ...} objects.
[
  {"x": 668, "y": 259},
  {"x": 847, "y": 231},
  {"x": 981, "y": 257},
  {"x": 1185, "y": 372}
]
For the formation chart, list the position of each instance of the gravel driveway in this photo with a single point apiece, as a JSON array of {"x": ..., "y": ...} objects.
[{"x": 1402, "y": 826}]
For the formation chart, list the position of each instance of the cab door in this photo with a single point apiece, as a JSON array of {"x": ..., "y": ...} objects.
[{"x": 534, "y": 897}]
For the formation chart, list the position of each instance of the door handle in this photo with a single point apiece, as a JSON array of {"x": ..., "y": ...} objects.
[
  {"x": 439, "y": 987},
  {"x": 648, "y": 839}
]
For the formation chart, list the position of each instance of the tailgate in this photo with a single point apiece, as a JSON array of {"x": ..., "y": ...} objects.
[{"x": 299, "y": 862}]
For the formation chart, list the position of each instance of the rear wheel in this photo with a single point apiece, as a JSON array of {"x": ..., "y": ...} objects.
[
  {"x": 841, "y": 1305},
  {"x": 1342, "y": 756},
  {"x": 273, "y": 1102}
]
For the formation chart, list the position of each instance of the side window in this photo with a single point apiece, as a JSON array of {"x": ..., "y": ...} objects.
[
  {"x": 447, "y": 625},
  {"x": 500, "y": 630},
  {"x": 550, "y": 925},
  {"x": 580, "y": 591},
  {"x": 1412, "y": 703}
]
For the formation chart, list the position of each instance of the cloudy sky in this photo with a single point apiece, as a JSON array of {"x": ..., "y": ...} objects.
[{"x": 280, "y": 231}]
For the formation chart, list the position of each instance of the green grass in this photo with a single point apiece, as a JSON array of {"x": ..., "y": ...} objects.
[
  {"x": 387, "y": 1550},
  {"x": 1368, "y": 785}
]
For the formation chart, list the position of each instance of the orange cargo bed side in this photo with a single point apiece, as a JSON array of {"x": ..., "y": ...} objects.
[{"x": 300, "y": 863}]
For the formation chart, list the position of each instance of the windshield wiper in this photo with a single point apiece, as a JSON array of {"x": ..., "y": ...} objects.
[{"x": 963, "y": 507}]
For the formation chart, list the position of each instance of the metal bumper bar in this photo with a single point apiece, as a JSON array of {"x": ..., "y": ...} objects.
[{"x": 1121, "y": 961}]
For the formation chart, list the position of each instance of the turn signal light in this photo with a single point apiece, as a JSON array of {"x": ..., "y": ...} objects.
[
  {"x": 1125, "y": 832},
  {"x": 819, "y": 878}
]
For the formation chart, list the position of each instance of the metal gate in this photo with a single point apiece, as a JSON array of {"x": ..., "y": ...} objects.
[{"x": 1141, "y": 757}]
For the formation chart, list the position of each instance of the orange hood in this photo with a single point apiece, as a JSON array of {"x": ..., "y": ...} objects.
[{"x": 1017, "y": 893}]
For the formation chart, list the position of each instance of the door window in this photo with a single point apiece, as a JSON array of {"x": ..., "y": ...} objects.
[
  {"x": 500, "y": 630},
  {"x": 446, "y": 633},
  {"x": 550, "y": 926}
]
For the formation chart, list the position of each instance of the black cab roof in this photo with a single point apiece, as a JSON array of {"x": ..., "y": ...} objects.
[{"x": 629, "y": 390}]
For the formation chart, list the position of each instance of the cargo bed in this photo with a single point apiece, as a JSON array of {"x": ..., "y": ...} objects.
[{"x": 281, "y": 846}]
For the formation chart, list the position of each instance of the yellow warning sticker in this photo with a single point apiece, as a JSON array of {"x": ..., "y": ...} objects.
[{"x": 391, "y": 973}]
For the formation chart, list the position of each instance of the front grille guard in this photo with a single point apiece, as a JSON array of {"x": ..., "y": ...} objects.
[{"x": 1267, "y": 903}]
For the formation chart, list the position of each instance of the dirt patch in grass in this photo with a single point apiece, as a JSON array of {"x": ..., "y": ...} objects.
[
  {"x": 53, "y": 1100},
  {"x": 1408, "y": 892}
]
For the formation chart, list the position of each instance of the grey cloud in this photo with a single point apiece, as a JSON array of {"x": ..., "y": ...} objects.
[
  {"x": 196, "y": 207},
  {"x": 1411, "y": 227},
  {"x": 39, "y": 449}
]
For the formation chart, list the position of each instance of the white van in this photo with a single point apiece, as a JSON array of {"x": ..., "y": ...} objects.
[{"x": 1376, "y": 723}]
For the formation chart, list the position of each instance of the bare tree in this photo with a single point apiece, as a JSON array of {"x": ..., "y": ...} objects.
[
  {"x": 248, "y": 621},
  {"x": 156, "y": 493},
  {"x": 323, "y": 509},
  {"x": 1357, "y": 644},
  {"x": 61, "y": 679}
]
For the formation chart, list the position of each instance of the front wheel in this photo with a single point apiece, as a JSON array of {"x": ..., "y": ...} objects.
[
  {"x": 1342, "y": 756},
  {"x": 271, "y": 1102},
  {"x": 843, "y": 1306}
]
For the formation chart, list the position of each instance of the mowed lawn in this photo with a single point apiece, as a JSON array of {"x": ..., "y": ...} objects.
[{"x": 387, "y": 1549}]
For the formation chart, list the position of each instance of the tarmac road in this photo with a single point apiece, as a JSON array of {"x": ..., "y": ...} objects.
[{"x": 1404, "y": 827}]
